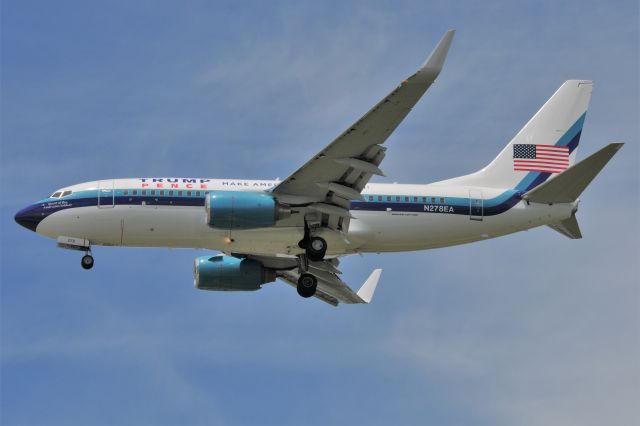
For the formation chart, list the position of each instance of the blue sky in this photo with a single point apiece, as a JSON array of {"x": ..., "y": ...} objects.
[{"x": 529, "y": 329}]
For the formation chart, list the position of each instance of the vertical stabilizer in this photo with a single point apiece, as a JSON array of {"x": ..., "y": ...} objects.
[{"x": 544, "y": 147}]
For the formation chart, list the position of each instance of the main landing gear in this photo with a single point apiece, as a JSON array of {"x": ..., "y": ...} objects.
[
  {"x": 314, "y": 250},
  {"x": 315, "y": 247},
  {"x": 87, "y": 261},
  {"x": 307, "y": 285}
]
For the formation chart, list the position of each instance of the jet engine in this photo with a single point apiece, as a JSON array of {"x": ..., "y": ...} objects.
[
  {"x": 242, "y": 210},
  {"x": 226, "y": 273}
]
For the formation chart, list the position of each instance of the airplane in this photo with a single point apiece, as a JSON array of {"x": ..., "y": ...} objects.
[{"x": 298, "y": 228}]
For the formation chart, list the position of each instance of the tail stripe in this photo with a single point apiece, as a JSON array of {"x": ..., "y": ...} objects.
[{"x": 571, "y": 138}]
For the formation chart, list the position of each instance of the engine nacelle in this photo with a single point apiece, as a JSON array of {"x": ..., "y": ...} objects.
[
  {"x": 226, "y": 273},
  {"x": 242, "y": 210}
]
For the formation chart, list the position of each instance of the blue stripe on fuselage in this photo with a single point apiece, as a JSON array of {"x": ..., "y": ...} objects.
[{"x": 453, "y": 205}]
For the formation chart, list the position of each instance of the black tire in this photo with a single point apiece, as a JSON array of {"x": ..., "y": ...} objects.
[
  {"x": 87, "y": 261},
  {"x": 316, "y": 249},
  {"x": 307, "y": 285}
]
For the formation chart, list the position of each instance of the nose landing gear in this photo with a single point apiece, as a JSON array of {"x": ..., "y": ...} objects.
[{"x": 87, "y": 261}]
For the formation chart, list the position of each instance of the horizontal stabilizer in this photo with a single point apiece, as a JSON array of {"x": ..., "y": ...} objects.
[
  {"x": 568, "y": 227},
  {"x": 568, "y": 185}
]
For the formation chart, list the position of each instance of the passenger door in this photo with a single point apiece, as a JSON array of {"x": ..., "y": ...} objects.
[{"x": 106, "y": 194}]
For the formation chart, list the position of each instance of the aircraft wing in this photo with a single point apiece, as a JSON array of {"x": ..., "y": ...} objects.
[
  {"x": 331, "y": 289},
  {"x": 337, "y": 174}
]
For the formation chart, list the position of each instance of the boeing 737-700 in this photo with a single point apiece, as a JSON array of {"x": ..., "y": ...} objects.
[{"x": 298, "y": 228}]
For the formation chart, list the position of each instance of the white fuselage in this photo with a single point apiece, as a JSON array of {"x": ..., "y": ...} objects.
[{"x": 394, "y": 217}]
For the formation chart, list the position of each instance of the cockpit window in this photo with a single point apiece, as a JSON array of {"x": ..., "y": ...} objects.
[
  {"x": 56, "y": 194},
  {"x": 65, "y": 193}
]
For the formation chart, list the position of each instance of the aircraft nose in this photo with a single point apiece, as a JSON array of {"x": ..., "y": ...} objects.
[{"x": 29, "y": 217}]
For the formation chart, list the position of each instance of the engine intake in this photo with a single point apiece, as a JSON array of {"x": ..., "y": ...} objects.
[
  {"x": 226, "y": 273},
  {"x": 242, "y": 210}
]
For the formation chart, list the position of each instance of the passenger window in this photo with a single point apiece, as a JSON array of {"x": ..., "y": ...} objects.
[
  {"x": 126, "y": 192},
  {"x": 179, "y": 193},
  {"x": 388, "y": 198},
  {"x": 415, "y": 199},
  {"x": 143, "y": 192},
  {"x": 162, "y": 192},
  {"x": 379, "y": 197},
  {"x": 171, "y": 193},
  {"x": 424, "y": 199},
  {"x": 442, "y": 200},
  {"x": 188, "y": 193},
  {"x": 56, "y": 194},
  {"x": 197, "y": 193},
  {"x": 134, "y": 192},
  {"x": 370, "y": 197},
  {"x": 153, "y": 192},
  {"x": 433, "y": 200},
  {"x": 406, "y": 199},
  {"x": 398, "y": 199}
]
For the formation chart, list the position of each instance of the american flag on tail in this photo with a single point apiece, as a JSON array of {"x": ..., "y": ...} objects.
[{"x": 540, "y": 158}]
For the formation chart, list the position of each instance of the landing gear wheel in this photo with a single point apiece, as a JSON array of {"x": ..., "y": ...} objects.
[
  {"x": 87, "y": 261},
  {"x": 307, "y": 285},
  {"x": 316, "y": 249}
]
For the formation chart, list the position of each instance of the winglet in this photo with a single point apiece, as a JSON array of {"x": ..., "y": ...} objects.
[
  {"x": 434, "y": 63},
  {"x": 369, "y": 287}
]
